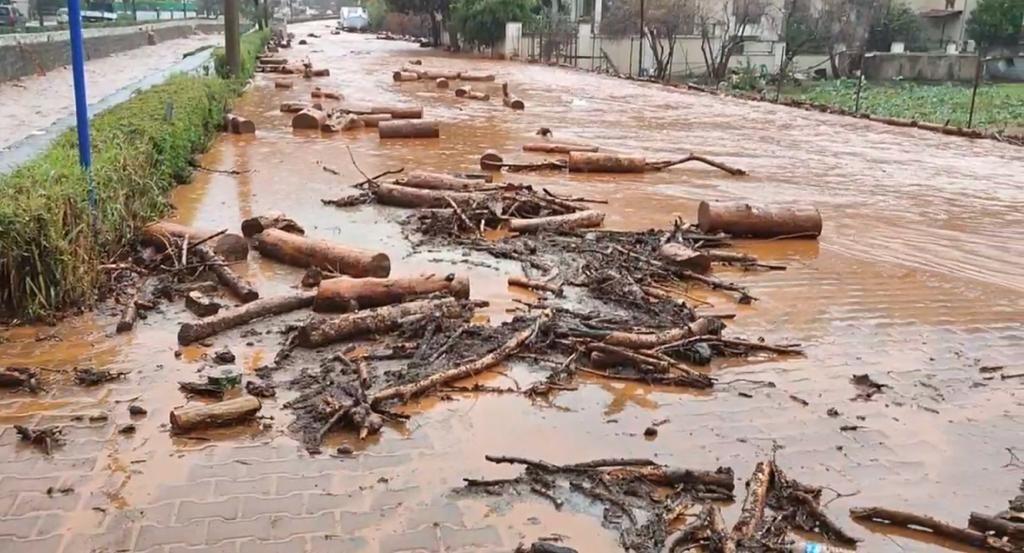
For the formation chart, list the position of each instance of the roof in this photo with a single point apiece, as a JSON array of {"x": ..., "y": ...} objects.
[{"x": 940, "y": 13}]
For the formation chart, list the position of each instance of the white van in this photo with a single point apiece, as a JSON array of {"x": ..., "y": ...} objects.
[{"x": 354, "y": 18}]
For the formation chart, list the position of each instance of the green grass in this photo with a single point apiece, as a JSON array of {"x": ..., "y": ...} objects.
[
  {"x": 998, "y": 106},
  {"x": 50, "y": 244}
]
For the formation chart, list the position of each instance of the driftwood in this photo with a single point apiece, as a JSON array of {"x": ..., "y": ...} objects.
[
  {"x": 926, "y": 523},
  {"x": 557, "y": 148},
  {"x": 309, "y": 118},
  {"x": 237, "y": 124},
  {"x": 656, "y": 363},
  {"x": 441, "y": 82},
  {"x": 162, "y": 235},
  {"x": 402, "y": 76},
  {"x": 509, "y": 100},
  {"x": 752, "y": 512},
  {"x": 465, "y": 370},
  {"x": 372, "y": 120},
  {"x": 346, "y": 294},
  {"x": 19, "y": 377},
  {"x": 678, "y": 255},
  {"x": 422, "y": 128},
  {"x": 321, "y": 331},
  {"x": 591, "y": 162},
  {"x": 404, "y": 196},
  {"x": 534, "y": 285},
  {"x": 580, "y": 219},
  {"x": 238, "y": 286},
  {"x": 236, "y": 316},
  {"x": 996, "y": 525},
  {"x": 214, "y": 414},
  {"x": 294, "y": 107},
  {"x": 201, "y": 305},
  {"x": 476, "y": 76},
  {"x": 438, "y": 181},
  {"x": 342, "y": 122},
  {"x": 274, "y": 219},
  {"x": 308, "y": 252},
  {"x": 759, "y": 221},
  {"x": 318, "y": 92}
]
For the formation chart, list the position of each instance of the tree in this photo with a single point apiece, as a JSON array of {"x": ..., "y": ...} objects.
[
  {"x": 996, "y": 23},
  {"x": 722, "y": 33},
  {"x": 482, "y": 22},
  {"x": 896, "y": 23},
  {"x": 664, "y": 20},
  {"x": 437, "y": 10}
]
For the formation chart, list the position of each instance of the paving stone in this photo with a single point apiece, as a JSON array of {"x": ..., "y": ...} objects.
[
  {"x": 349, "y": 522},
  {"x": 319, "y": 502},
  {"x": 38, "y": 545},
  {"x": 286, "y": 526},
  {"x": 12, "y": 485},
  {"x": 447, "y": 513},
  {"x": 20, "y": 527},
  {"x": 199, "y": 491},
  {"x": 6, "y": 502},
  {"x": 151, "y": 535},
  {"x": 160, "y": 514},
  {"x": 221, "y": 530},
  {"x": 291, "y": 484},
  {"x": 470, "y": 539},
  {"x": 224, "y": 547},
  {"x": 294, "y": 545},
  {"x": 226, "y": 508},
  {"x": 391, "y": 498},
  {"x": 424, "y": 539},
  {"x": 204, "y": 471},
  {"x": 263, "y": 485},
  {"x": 254, "y": 505},
  {"x": 338, "y": 544},
  {"x": 30, "y": 502},
  {"x": 49, "y": 524}
]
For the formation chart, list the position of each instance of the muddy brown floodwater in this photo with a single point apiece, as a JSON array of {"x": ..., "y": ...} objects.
[{"x": 917, "y": 280}]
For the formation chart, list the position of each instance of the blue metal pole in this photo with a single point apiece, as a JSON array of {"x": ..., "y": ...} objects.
[{"x": 81, "y": 103}]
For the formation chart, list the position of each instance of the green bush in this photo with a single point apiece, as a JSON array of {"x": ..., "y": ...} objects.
[
  {"x": 252, "y": 44},
  {"x": 51, "y": 246}
]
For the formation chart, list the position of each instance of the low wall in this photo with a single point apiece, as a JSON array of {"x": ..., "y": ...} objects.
[
  {"x": 27, "y": 54},
  {"x": 883, "y": 66}
]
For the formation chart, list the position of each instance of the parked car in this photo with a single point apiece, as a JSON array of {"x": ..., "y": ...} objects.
[
  {"x": 62, "y": 16},
  {"x": 354, "y": 18},
  {"x": 10, "y": 17},
  {"x": 98, "y": 12}
]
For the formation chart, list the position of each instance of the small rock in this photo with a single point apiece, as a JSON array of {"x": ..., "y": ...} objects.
[
  {"x": 832, "y": 412},
  {"x": 345, "y": 449},
  {"x": 260, "y": 389},
  {"x": 650, "y": 432},
  {"x": 201, "y": 305},
  {"x": 137, "y": 410},
  {"x": 177, "y": 354},
  {"x": 98, "y": 417},
  {"x": 127, "y": 429},
  {"x": 224, "y": 356}
]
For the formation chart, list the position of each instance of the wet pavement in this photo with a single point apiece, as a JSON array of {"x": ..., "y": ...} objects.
[{"x": 917, "y": 281}]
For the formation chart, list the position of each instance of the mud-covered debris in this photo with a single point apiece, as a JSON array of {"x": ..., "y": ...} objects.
[
  {"x": 127, "y": 429},
  {"x": 136, "y": 410},
  {"x": 201, "y": 305},
  {"x": 312, "y": 277},
  {"x": 20, "y": 377},
  {"x": 345, "y": 449},
  {"x": 866, "y": 386},
  {"x": 650, "y": 432},
  {"x": 215, "y": 385},
  {"x": 92, "y": 377},
  {"x": 261, "y": 388},
  {"x": 832, "y": 412},
  {"x": 62, "y": 490},
  {"x": 543, "y": 547},
  {"x": 46, "y": 438},
  {"x": 224, "y": 356}
]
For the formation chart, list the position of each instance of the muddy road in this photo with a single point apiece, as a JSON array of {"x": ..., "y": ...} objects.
[{"x": 916, "y": 280}]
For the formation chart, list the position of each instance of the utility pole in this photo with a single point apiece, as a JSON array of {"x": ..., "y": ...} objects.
[
  {"x": 974, "y": 92},
  {"x": 231, "y": 40},
  {"x": 81, "y": 104},
  {"x": 640, "y": 72}
]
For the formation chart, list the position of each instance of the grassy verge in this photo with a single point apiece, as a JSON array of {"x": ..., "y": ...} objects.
[
  {"x": 998, "y": 106},
  {"x": 50, "y": 244}
]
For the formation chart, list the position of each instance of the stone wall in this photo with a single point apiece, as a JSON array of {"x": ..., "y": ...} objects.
[
  {"x": 24, "y": 55},
  {"x": 884, "y": 66}
]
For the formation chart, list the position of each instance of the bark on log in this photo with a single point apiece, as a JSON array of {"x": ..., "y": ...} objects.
[
  {"x": 236, "y": 284},
  {"x": 283, "y": 83},
  {"x": 468, "y": 369},
  {"x": 342, "y": 122},
  {"x": 236, "y": 124},
  {"x": 534, "y": 285},
  {"x": 308, "y": 252},
  {"x": 318, "y": 92},
  {"x": 998, "y": 526},
  {"x": 722, "y": 478},
  {"x": 730, "y": 257},
  {"x": 404, "y": 76},
  {"x": 404, "y": 196},
  {"x": 309, "y": 119},
  {"x": 400, "y": 112},
  {"x": 557, "y": 148},
  {"x": 372, "y": 120},
  {"x": 937, "y": 527},
  {"x": 294, "y": 107},
  {"x": 474, "y": 95},
  {"x": 160, "y": 235},
  {"x": 324, "y": 72},
  {"x": 440, "y": 74},
  {"x": 510, "y": 101},
  {"x": 236, "y": 316},
  {"x": 662, "y": 367},
  {"x": 476, "y": 76},
  {"x": 438, "y": 181},
  {"x": 680, "y": 256},
  {"x": 14, "y": 379},
  {"x": 462, "y": 91},
  {"x": 742, "y": 219},
  {"x": 130, "y": 312},
  {"x": 274, "y": 219},
  {"x": 409, "y": 129},
  {"x": 491, "y": 160},
  {"x": 322, "y": 331},
  {"x": 581, "y": 219},
  {"x": 636, "y": 340},
  {"x": 214, "y": 414},
  {"x": 346, "y": 294},
  {"x": 590, "y": 162},
  {"x": 752, "y": 512},
  {"x": 441, "y": 83}
]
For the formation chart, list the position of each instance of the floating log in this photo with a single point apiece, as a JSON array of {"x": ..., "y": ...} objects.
[
  {"x": 752, "y": 512},
  {"x": 441, "y": 83},
  {"x": 273, "y": 61},
  {"x": 581, "y": 219},
  {"x": 321, "y": 331},
  {"x": 161, "y": 234},
  {"x": 283, "y": 83},
  {"x": 510, "y": 101},
  {"x": 236, "y": 124},
  {"x": 227, "y": 319},
  {"x": 414, "y": 389},
  {"x": 324, "y": 72},
  {"x": 462, "y": 91},
  {"x": 373, "y": 119},
  {"x": 929, "y": 524},
  {"x": 438, "y": 181},
  {"x": 476, "y": 76},
  {"x": 524, "y": 282},
  {"x": 729, "y": 257},
  {"x": 405, "y": 196},
  {"x": 214, "y": 414},
  {"x": 294, "y": 107},
  {"x": 409, "y": 129},
  {"x": 130, "y": 312},
  {"x": 15, "y": 378},
  {"x": 491, "y": 160},
  {"x": 236, "y": 284},
  {"x": 404, "y": 76},
  {"x": 346, "y": 294},
  {"x": 590, "y": 162},
  {"x": 400, "y": 112},
  {"x": 474, "y": 95},
  {"x": 440, "y": 74},
  {"x": 342, "y": 122},
  {"x": 309, "y": 119},
  {"x": 309, "y": 252},
  {"x": 318, "y": 92},
  {"x": 998, "y": 526},
  {"x": 557, "y": 148},
  {"x": 682, "y": 257},
  {"x": 742, "y": 219},
  {"x": 274, "y": 219}
]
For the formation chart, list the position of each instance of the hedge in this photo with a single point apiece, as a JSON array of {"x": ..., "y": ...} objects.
[{"x": 51, "y": 246}]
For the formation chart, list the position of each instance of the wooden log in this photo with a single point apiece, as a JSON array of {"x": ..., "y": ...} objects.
[
  {"x": 405, "y": 196},
  {"x": 581, "y": 219},
  {"x": 474, "y": 95},
  {"x": 284, "y": 83},
  {"x": 557, "y": 148},
  {"x": 236, "y": 124},
  {"x": 321, "y": 331},
  {"x": 310, "y": 252},
  {"x": 729, "y": 257},
  {"x": 238, "y": 286},
  {"x": 342, "y": 122},
  {"x": 346, "y": 294},
  {"x": 227, "y": 319},
  {"x": 400, "y": 112},
  {"x": 462, "y": 91},
  {"x": 201, "y": 305},
  {"x": 438, "y": 181},
  {"x": 318, "y": 92},
  {"x": 323, "y": 72},
  {"x": 752, "y": 512},
  {"x": 926, "y": 523},
  {"x": 10, "y": 378},
  {"x": 409, "y": 129},
  {"x": 273, "y": 219},
  {"x": 309, "y": 119},
  {"x": 742, "y": 219},
  {"x": 273, "y": 61},
  {"x": 404, "y": 76},
  {"x": 998, "y": 526},
  {"x": 414, "y": 389},
  {"x": 449, "y": 74},
  {"x": 130, "y": 312},
  {"x": 524, "y": 282},
  {"x": 642, "y": 340},
  {"x": 294, "y": 107},
  {"x": 722, "y": 478},
  {"x": 491, "y": 160},
  {"x": 441, "y": 83},
  {"x": 372, "y": 120},
  {"x": 214, "y": 414},
  {"x": 680, "y": 256},
  {"x": 510, "y": 101},
  {"x": 476, "y": 76},
  {"x": 161, "y": 234},
  {"x": 591, "y": 162}
]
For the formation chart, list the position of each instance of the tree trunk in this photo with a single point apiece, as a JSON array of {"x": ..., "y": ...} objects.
[
  {"x": 438, "y": 181},
  {"x": 679, "y": 256},
  {"x": 634, "y": 340},
  {"x": 238, "y": 286},
  {"x": 998, "y": 526},
  {"x": 294, "y": 107},
  {"x": 214, "y": 414},
  {"x": 741, "y": 219},
  {"x": 309, "y": 119},
  {"x": 409, "y": 129},
  {"x": 322, "y": 331},
  {"x": 308, "y": 252},
  {"x": 435, "y": 30},
  {"x": 273, "y": 219},
  {"x": 524, "y": 282},
  {"x": 237, "y": 316},
  {"x": 404, "y": 76},
  {"x": 557, "y": 148},
  {"x": 475, "y": 76},
  {"x": 372, "y": 120},
  {"x": 161, "y": 234},
  {"x": 580, "y": 219},
  {"x": 589, "y": 162},
  {"x": 400, "y": 112},
  {"x": 405, "y": 196},
  {"x": 346, "y": 294},
  {"x": 752, "y": 511}
]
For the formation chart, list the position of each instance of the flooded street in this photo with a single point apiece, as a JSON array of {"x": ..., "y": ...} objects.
[{"x": 917, "y": 280}]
